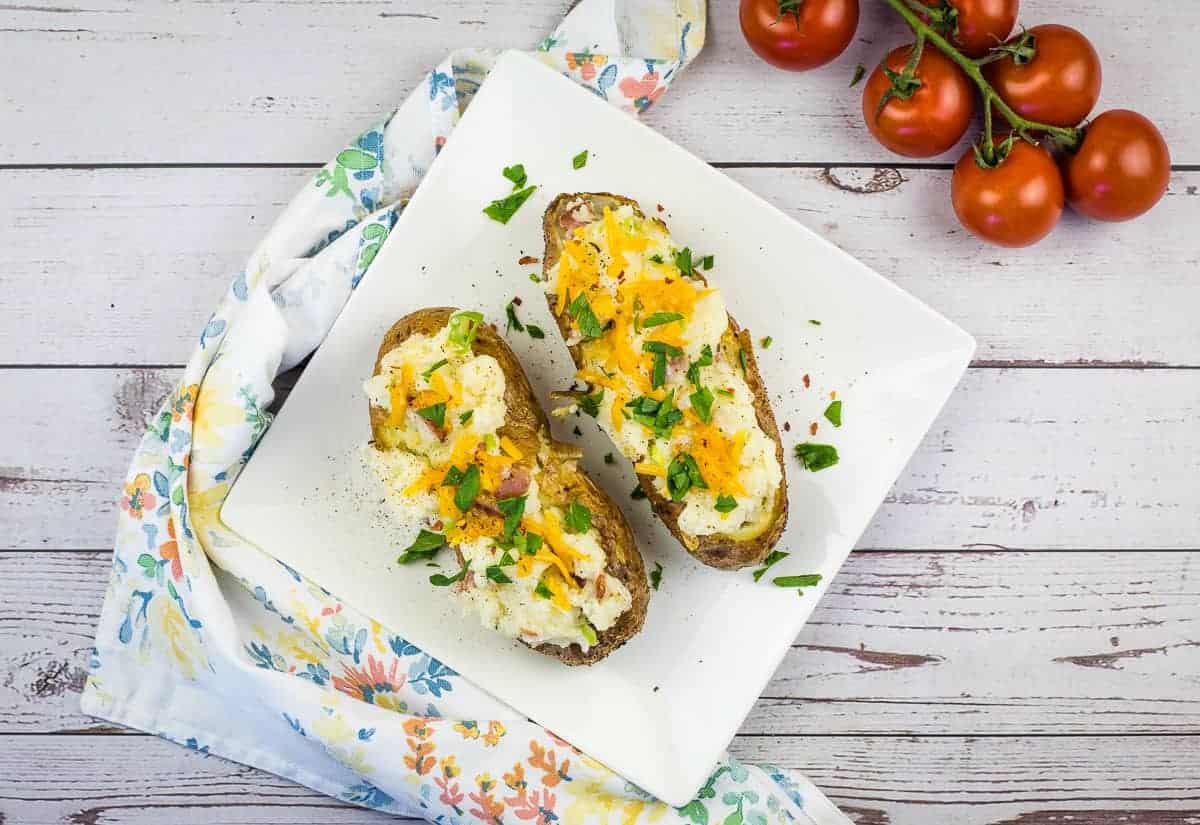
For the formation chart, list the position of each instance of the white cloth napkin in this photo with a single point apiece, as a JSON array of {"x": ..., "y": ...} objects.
[{"x": 207, "y": 641}]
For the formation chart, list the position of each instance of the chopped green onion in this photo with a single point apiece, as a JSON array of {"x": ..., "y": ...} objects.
[
  {"x": 504, "y": 208},
  {"x": 516, "y": 174},
  {"x": 580, "y": 160},
  {"x": 590, "y": 404},
  {"x": 797, "y": 581},
  {"x": 424, "y": 546},
  {"x": 656, "y": 576},
  {"x": 659, "y": 318},
  {"x": 581, "y": 311},
  {"x": 465, "y": 417},
  {"x": 437, "y": 365},
  {"x": 833, "y": 413},
  {"x": 726, "y": 504},
  {"x": 816, "y": 457},
  {"x": 468, "y": 489},
  {"x": 577, "y": 518},
  {"x": 702, "y": 401},
  {"x": 535, "y": 331},
  {"x": 765, "y": 343},
  {"x": 435, "y": 414},
  {"x": 513, "y": 321},
  {"x": 497, "y": 575},
  {"x": 463, "y": 327},
  {"x": 682, "y": 475},
  {"x": 439, "y": 580},
  {"x": 776, "y": 555}
]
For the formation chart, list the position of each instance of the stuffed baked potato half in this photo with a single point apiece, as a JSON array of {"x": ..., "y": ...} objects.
[
  {"x": 465, "y": 454},
  {"x": 671, "y": 377}
]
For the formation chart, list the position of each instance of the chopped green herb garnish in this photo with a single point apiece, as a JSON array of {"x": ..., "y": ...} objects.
[
  {"x": 465, "y": 417},
  {"x": 659, "y": 416},
  {"x": 506, "y": 559},
  {"x": 577, "y": 518},
  {"x": 814, "y": 322},
  {"x": 514, "y": 322},
  {"x": 663, "y": 347},
  {"x": 682, "y": 475},
  {"x": 581, "y": 311},
  {"x": 589, "y": 632},
  {"x": 683, "y": 260},
  {"x": 724, "y": 392},
  {"x": 516, "y": 174},
  {"x": 809, "y": 580},
  {"x": 833, "y": 413},
  {"x": 702, "y": 401},
  {"x": 656, "y": 575},
  {"x": 608, "y": 459},
  {"x": 659, "y": 318},
  {"x": 706, "y": 262},
  {"x": 816, "y": 456},
  {"x": 454, "y": 477},
  {"x": 423, "y": 547},
  {"x": 531, "y": 544},
  {"x": 776, "y": 555},
  {"x": 742, "y": 361},
  {"x": 535, "y": 331},
  {"x": 512, "y": 509},
  {"x": 435, "y": 414},
  {"x": 463, "y": 326},
  {"x": 580, "y": 160},
  {"x": 497, "y": 575},
  {"x": 637, "y": 493},
  {"x": 439, "y": 580},
  {"x": 504, "y": 208},
  {"x": 490, "y": 443},
  {"x": 859, "y": 71},
  {"x": 543, "y": 591},
  {"x": 590, "y": 403},
  {"x": 468, "y": 489},
  {"x": 658, "y": 259},
  {"x": 705, "y": 360},
  {"x": 726, "y": 504},
  {"x": 533, "y": 276},
  {"x": 765, "y": 343},
  {"x": 437, "y": 365},
  {"x": 658, "y": 374}
]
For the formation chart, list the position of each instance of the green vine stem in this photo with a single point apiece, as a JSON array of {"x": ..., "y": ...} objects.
[{"x": 1065, "y": 136}]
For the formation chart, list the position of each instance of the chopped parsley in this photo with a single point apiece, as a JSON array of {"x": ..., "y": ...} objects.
[
  {"x": 659, "y": 416},
  {"x": 702, "y": 400},
  {"x": 439, "y": 580},
  {"x": 497, "y": 575},
  {"x": 437, "y": 365},
  {"x": 465, "y": 417},
  {"x": 463, "y": 327},
  {"x": 775, "y": 556},
  {"x": 637, "y": 493},
  {"x": 656, "y": 319},
  {"x": 581, "y": 311},
  {"x": 683, "y": 260},
  {"x": 682, "y": 475},
  {"x": 535, "y": 331},
  {"x": 765, "y": 343},
  {"x": 726, "y": 504},
  {"x": 423, "y": 547},
  {"x": 514, "y": 322},
  {"x": 589, "y": 632},
  {"x": 658, "y": 259},
  {"x": 580, "y": 160},
  {"x": 833, "y": 413},
  {"x": 504, "y": 208},
  {"x": 435, "y": 414},
  {"x": 577, "y": 518},
  {"x": 816, "y": 457},
  {"x": 468, "y": 489},
  {"x": 608, "y": 459},
  {"x": 590, "y": 403},
  {"x": 512, "y": 509},
  {"x": 516, "y": 174},
  {"x": 656, "y": 576}
]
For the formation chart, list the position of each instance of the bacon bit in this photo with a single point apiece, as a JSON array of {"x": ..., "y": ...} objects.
[
  {"x": 529, "y": 259},
  {"x": 516, "y": 300},
  {"x": 806, "y": 380},
  {"x": 437, "y": 525},
  {"x": 833, "y": 396},
  {"x": 812, "y": 428},
  {"x": 787, "y": 426},
  {"x": 660, "y": 207},
  {"x": 600, "y": 586}
]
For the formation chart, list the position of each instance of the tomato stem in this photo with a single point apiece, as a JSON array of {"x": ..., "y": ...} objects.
[{"x": 1065, "y": 136}]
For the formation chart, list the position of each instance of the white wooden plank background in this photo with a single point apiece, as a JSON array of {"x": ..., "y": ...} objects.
[{"x": 1016, "y": 644}]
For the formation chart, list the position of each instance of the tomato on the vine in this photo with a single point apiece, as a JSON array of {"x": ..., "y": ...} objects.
[
  {"x": 798, "y": 34},
  {"x": 975, "y": 26},
  {"x": 1058, "y": 85},
  {"x": 923, "y": 121},
  {"x": 1120, "y": 170},
  {"x": 1015, "y": 202}
]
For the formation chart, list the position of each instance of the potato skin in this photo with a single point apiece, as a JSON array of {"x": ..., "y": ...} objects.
[
  {"x": 560, "y": 478},
  {"x": 717, "y": 550}
]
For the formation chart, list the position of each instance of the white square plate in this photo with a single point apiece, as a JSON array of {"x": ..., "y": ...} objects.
[{"x": 660, "y": 710}]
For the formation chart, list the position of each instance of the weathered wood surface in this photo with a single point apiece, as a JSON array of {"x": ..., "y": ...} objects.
[
  {"x": 1020, "y": 458},
  {"x": 884, "y": 780},
  {"x": 92, "y": 256},
  {"x": 120, "y": 81},
  {"x": 903, "y": 643}
]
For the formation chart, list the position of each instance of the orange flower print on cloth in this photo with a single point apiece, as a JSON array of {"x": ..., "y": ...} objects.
[
  {"x": 138, "y": 498},
  {"x": 419, "y": 731},
  {"x": 642, "y": 92},
  {"x": 448, "y": 772},
  {"x": 469, "y": 729},
  {"x": 544, "y": 759},
  {"x": 168, "y": 551},
  {"x": 183, "y": 402},
  {"x": 489, "y": 809},
  {"x": 373, "y": 684},
  {"x": 585, "y": 63}
]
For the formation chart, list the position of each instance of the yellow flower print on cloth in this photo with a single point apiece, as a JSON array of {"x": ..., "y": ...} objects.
[{"x": 205, "y": 640}]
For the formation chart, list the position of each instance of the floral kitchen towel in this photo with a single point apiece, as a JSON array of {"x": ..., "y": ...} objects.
[{"x": 209, "y": 642}]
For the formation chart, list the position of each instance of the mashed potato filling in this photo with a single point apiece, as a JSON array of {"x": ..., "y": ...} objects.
[
  {"x": 666, "y": 383},
  {"x": 529, "y": 569}
]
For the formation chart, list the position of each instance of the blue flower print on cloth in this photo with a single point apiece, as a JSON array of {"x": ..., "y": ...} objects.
[{"x": 197, "y": 622}]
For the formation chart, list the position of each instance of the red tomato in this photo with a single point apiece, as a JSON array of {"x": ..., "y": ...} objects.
[
  {"x": 1059, "y": 86},
  {"x": 1121, "y": 168},
  {"x": 798, "y": 38},
  {"x": 1015, "y": 203},
  {"x": 982, "y": 24},
  {"x": 933, "y": 119}
]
